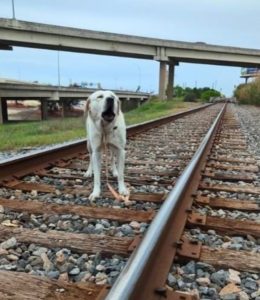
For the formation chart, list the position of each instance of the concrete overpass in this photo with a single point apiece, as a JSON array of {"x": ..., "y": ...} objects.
[
  {"x": 167, "y": 52},
  {"x": 18, "y": 91},
  {"x": 44, "y": 93}
]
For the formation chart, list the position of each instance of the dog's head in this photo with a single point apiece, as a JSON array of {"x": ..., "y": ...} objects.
[{"x": 103, "y": 105}]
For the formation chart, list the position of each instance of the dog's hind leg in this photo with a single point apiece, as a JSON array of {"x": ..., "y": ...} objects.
[
  {"x": 96, "y": 164},
  {"x": 90, "y": 169},
  {"x": 113, "y": 162},
  {"x": 121, "y": 166}
]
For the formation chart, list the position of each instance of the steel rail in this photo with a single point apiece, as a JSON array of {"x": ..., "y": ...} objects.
[
  {"x": 141, "y": 278},
  {"x": 39, "y": 158}
]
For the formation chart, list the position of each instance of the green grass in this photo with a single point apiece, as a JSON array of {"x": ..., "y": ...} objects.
[
  {"x": 29, "y": 134},
  {"x": 156, "y": 109}
]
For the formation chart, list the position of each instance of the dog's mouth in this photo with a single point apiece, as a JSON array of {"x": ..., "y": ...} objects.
[{"x": 109, "y": 115}]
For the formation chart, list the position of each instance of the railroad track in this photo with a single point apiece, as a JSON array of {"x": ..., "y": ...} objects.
[
  {"x": 50, "y": 228},
  {"x": 209, "y": 226}
]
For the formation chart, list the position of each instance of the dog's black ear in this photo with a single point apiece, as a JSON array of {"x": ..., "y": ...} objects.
[{"x": 87, "y": 108}]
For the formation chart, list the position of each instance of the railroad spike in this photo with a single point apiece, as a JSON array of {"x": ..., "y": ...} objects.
[
  {"x": 162, "y": 291},
  {"x": 178, "y": 244},
  {"x": 199, "y": 220},
  {"x": 194, "y": 242}
]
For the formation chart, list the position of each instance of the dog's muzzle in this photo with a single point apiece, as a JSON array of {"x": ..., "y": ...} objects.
[{"x": 108, "y": 114}]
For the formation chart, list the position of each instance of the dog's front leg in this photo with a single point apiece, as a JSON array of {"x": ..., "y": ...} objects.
[
  {"x": 96, "y": 165},
  {"x": 121, "y": 167}
]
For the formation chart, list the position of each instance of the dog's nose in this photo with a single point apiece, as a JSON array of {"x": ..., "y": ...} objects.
[{"x": 110, "y": 102}]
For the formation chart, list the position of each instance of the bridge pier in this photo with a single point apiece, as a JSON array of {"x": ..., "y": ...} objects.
[
  {"x": 162, "y": 79},
  {"x": 44, "y": 109},
  {"x": 169, "y": 90},
  {"x": 63, "y": 108},
  {"x": 3, "y": 111},
  {"x": 170, "y": 85},
  {"x": 166, "y": 83}
]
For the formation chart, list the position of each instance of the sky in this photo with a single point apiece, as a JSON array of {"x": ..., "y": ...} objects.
[{"x": 221, "y": 22}]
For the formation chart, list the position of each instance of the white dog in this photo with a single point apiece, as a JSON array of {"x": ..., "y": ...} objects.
[{"x": 105, "y": 124}]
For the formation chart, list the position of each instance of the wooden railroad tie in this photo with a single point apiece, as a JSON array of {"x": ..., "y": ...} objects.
[
  {"x": 219, "y": 257},
  {"x": 224, "y": 225}
]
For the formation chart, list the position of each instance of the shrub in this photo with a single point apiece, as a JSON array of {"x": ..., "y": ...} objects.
[
  {"x": 248, "y": 93},
  {"x": 190, "y": 97},
  {"x": 206, "y": 95}
]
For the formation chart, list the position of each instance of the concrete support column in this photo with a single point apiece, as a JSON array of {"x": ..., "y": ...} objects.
[
  {"x": 3, "y": 111},
  {"x": 162, "y": 79},
  {"x": 44, "y": 109},
  {"x": 170, "y": 81},
  {"x": 63, "y": 108}
]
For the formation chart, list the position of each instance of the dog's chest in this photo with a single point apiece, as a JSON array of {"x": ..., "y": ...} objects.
[{"x": 110, "y": 136}]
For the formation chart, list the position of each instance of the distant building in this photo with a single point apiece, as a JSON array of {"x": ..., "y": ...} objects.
[{"x": 249, "y": 72}]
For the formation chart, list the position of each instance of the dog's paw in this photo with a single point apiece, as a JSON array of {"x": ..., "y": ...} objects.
[
  {"x": 123, "y": 190},
  {"x": 88, "y": 173},
  {"x": 95, "y": 194}
]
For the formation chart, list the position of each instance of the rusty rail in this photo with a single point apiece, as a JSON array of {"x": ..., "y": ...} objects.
[{"x": 146, "y": 271}]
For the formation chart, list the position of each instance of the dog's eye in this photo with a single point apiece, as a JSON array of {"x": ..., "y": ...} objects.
[{"x": 100, "y": 97}]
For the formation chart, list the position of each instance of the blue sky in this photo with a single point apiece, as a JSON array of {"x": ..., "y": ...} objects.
[{"x": 222, "y": 22}]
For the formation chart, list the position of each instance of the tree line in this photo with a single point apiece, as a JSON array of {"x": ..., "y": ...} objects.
[{"x": 193, "y": 94}]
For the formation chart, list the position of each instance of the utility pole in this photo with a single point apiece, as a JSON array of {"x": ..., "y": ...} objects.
[{"x": 13, "y": 9}]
